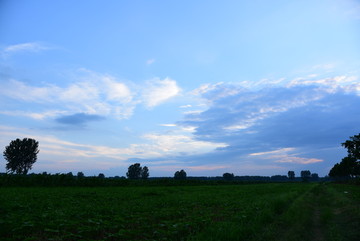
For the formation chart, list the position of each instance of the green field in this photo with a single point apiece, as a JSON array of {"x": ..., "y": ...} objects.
[{"x": 281, "y": 211}]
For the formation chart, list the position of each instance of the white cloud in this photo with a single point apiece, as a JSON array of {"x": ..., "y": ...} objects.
[
  {"x": 186, "y": 106},
  {"x": 94, "y": 94},
  {"x": 285, "y": 155},
  {"x": 117, "y": 91},
  {"x": 34, "y": 115},
  {"x": 177, "y": 144},
  {"x": 298, "y": 160},
  {"x": 168, "y": 125},
  {"x": 158, "y": 91},
  {"x": 32, "y": 47},
  {"x": 150, "y": 61},
  {"x": 282, "y": 150}
]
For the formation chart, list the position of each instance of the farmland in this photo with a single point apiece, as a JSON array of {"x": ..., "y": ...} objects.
[{"x": 271, "y": 211}]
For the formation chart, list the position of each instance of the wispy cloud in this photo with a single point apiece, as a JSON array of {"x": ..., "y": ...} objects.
[
  {"x": 150, "y": 61},
  {"x": 158, "y": 91},
  {"x": 299, "y": 160},
  {"x": 34, "y": 47},
  {"x": 168, "y": 125}
]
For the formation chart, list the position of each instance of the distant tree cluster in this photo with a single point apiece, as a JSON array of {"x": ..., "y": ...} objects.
[
  {"x": 180, "y": 175},
  {"x": 349, "y": 166},
  {"x": 228, "y": 176},
  {"x": 135, "y": 171}
]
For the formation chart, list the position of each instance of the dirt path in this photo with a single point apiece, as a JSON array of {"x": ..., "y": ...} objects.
[{"x": 317, "y": 228}]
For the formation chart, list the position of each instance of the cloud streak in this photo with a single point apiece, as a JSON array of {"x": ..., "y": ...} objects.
[{"x": 25, "y": 47}]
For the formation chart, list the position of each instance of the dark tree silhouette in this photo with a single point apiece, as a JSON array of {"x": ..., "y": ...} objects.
[
  {"x": 145, "y": 172},
  {"x": 21, "y": 155},
  {"x": 291, "y": 175},
  {"x": 349, "y": 165},
  {"x": 101, "y": 175},
  {"x": 305, "y": 175},
  {"x": 228, "y": 176},
  {"x": 180, "y": 175},
  {"x": 80, "y": 175},
  {"x": 353, "y": 146},
  {"x": 314, "y": 176},
  {"x": 135, "y": 171}
]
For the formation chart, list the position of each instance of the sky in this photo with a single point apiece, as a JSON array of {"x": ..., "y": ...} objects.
[{"x": 251, "y": 87}]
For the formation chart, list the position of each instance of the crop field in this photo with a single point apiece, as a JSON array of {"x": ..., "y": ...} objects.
[{"x": 277, "y": 211}]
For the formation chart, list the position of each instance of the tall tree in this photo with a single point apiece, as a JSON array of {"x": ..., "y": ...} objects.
[
  {"x": 305, "y": 175},
  {"x": 349, "y": 165},
  {"x": 228, "y": 176},
  {"x": 353, "y": 146},
  {"x": 291, "y": 175},
  {"x": 135, "y": 171},
  {"x": 145, "y": 172},
  {"x": 180, "y": 175},
  {"x": 21, "y": 155}
]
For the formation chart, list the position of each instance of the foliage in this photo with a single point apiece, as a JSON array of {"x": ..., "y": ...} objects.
[
  {"x": 180, "y": 175},
  {"x": 145, "y": 172},
  {"x": 349, "y": 166},
  {"x": 291, "y": 175},
  {"x": 21, "y": 155},
  {"x": 101, "y": 175},
  {"x": 353, "y": 146},
  {"x": 314, "y": 176},
  {"x": 80, "y": 175},
  {"x": 134, "y": 171},
  {"x": 228, "y": 176},
  {"x": 305, "y": 175}
]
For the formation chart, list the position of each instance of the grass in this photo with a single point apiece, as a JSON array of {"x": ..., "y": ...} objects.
[{"x": 282, "y": 211}]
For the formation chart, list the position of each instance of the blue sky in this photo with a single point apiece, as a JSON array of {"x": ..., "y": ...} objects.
[{"x": 248, "y": 87}]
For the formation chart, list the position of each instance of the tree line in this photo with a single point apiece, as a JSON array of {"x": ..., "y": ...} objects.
[{"x": 22, "y": 154}]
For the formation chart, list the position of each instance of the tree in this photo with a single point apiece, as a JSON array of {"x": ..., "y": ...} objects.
[
  {"x": 305, "y": 175},
  {"x": 135, "y": 171},
  {"x": 291, "y": 175},
  {"x": 314, "y": 177},
  {"x": 21, "y": 155},
  {"x": 353, "y": 146},
  {"x": 80, "y": 175},
  {"x": 101, "y": 175},
  {"x": 180, "y": 175},
  {"x": 349, "y": 166},
  {"x": 145, "y": 172},
  {"x": 228, "y": 176}
]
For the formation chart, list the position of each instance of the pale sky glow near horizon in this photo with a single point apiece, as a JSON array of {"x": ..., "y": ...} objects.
[{"x": 246, "y": 87}]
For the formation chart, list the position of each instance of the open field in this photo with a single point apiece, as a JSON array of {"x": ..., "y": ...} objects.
[{"x": 281, "y": 211}]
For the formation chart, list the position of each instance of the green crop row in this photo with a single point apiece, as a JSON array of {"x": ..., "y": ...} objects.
[{"x": 221, "y": 212}]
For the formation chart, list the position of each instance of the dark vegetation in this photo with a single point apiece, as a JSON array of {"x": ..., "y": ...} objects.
[
  {"x": 273, "y": 211},
  {"x": 349, "y": 167},
  {"x": 21, "y": 155}
]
